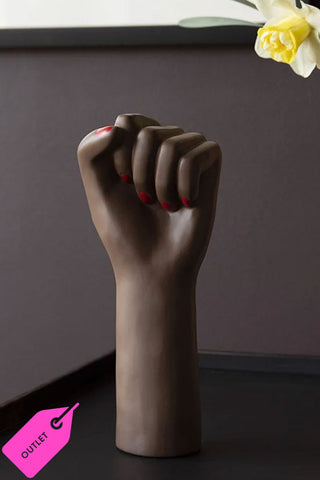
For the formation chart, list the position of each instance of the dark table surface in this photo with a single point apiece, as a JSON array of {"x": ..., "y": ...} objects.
[{"x": 255, "y": 427}]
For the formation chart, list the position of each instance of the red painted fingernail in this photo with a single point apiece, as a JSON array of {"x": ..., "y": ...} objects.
[
  {"x": 145, "y": 197},
  {"x": 186, "y": 202},
  {"x": 104, "y": 129},
  {"x": 126, "y": 178},
  {"x": 166, "y": 205}
]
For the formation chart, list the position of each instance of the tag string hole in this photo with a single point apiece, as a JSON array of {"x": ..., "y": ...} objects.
[{"x": 54, "y": 423}]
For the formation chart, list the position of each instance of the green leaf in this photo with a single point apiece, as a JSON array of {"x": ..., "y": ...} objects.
[
  {"x": 203, "y": 22},
  {"x": 245, "y": 2}
]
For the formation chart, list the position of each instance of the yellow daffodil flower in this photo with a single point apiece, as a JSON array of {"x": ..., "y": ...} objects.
[{"x": 290, "y": 35}]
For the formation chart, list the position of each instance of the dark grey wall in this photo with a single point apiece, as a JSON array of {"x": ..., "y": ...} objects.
[{"x": 259, "y": 287}]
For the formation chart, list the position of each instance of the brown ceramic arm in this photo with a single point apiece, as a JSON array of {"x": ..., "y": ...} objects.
[
  {"x": 152, "y": 194},
  {"x": 158, "y": 404}
]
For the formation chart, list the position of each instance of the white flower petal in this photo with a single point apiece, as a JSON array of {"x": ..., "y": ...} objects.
[
  {"x": 303, "y": 65},
  {"x": 276, "y": 8},
  {"x": 273, "y": 21},
  {"x": 311, "y": 14},
  {"x": 260, "y": 51},
  {"x": 314, "y": 47}
]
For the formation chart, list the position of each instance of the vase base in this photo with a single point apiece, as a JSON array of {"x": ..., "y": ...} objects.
[{"x": 159, "y": 453}]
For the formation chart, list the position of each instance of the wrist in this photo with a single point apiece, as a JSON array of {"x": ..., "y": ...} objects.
[{"x": 141, "y": 277}]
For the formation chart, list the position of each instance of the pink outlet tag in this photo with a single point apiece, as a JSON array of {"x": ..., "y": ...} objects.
[{"x": 39, "y": 440}]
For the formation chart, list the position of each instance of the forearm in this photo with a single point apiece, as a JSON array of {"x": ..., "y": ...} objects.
[{"x": 157, "y": 372}]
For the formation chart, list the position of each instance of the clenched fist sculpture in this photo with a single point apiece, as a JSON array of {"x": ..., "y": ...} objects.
[{"x": 152, "y": 194}]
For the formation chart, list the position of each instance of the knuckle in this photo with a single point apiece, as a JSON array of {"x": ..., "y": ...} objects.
[
  {"x": 134, "y": 121},
  {"x": 215, "y": 149},
  {"x": 198, "y": 137},
  {"x": 147, "y": 134},
  {"x": 186, "y": 163},
  {"x": 184, "y": 160},
  {"x": 124, "y": 120},
  {"x": 169, "y": 146}
]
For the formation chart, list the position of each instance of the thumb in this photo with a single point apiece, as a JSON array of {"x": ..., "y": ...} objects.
[{"x": 102, "y": 140}]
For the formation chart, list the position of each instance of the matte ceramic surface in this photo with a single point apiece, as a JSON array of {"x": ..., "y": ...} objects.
[{"x": 152, "y": 194}]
